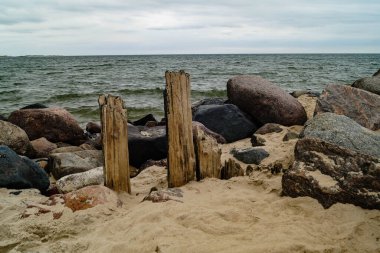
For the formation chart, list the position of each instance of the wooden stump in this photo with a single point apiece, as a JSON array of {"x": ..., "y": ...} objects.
[
  {"x": 231, "y": 169},
  {"x": 181, "y": 160},
  {"x": 113, "y": 116},
  {"x": 207, "y": 154}
]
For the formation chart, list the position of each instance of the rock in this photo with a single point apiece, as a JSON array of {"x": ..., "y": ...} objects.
[
  {"x": 91, "y": 196},
  {"x": 77, "y": 181},
  {"x": 359, "y": 105},
  {"x": 377, "y": 73},
  {"x": 231, "y": 169},
  {"x": 34, "y": 106},
  {"x": 67, "y": 149},
  {"x": 250, "y": 155},
  {"x": 63, "y": 164},
  {"x": 42, "y": 147},
  {"x": 371, "y": 84},
  {"x": 257, "y": 141},
  {"x": 264, "y": 101},
  {"x": 331, "y": 174},
  {"x": 149, "y": 163},
  {"x": 145, "y": 144},
  {"x": 55, "y": 124},
  {"x": 15, "y": 138},
  {"x": 144, "y": 120},
  {"x": 207, "y": 101},
  {"x": 157, "y": 196},
  {"x": 227, "y": 120},
  {"x": 220, "y": 139},
  {"x": 87, "y": 146},
  {"x": 3, "y": 118},
  {"x": 93, "y": 128},
  {"x": 151, "y": 123},
  {"x": 343, "y": 131},
  {"x": 299, "y": 93},
  {"x": 269, "y": 128},
  {"x": 20, "y": 172},
  {"x": 290, "y": 136}
]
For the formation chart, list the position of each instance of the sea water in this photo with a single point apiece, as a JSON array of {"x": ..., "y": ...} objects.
[{"x": 75, "y": 82}]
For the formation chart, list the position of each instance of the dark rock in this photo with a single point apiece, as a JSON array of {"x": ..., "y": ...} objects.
[
  {"x": 250, "y": 155},
  {"x": 63, "y": 164},
  {"x": 93, "y": 128},
  {"x": 144, "y": 120},
  {"x": 145, "y": 144},
  {"x": 207, "y": 101},
  {"x": 290, "y": 136},
  {"x": 151, "y": 123},
  {"x": 42, "y": 147},
  {"x": 332, "y": 174},
  {"x": 149, "y": 163},
  {"x": 377, "y": 73},
  {"x": 227, "y": 120},
  {"x": 269, "y": 128},
  {"x": 20, "y": 172},
  {"x": 220, "y": 139},
  {"x": 299, "y": 93},
  {"x": 55, "y": 124},
  {"x": 257, "y": 141},
  {"x": 15, "y": 138},
  {"x": 359, "y": 105},
  {"x": 371, "y": 84},
  {"x": 343, "y": 131},
  {"x": 3, "y": 118},
  {"x": 264, "y": 101},
  {"x": 34, "y": 106}
]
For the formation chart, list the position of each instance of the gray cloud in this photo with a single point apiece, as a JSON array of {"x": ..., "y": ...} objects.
[{"x": 188, "y": 26}]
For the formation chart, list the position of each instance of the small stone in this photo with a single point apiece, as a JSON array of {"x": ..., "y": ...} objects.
[
  {"x": 269, "y": 128},
  {"x": 250, "y": 155},
  {"x": 290, "y": 136}
]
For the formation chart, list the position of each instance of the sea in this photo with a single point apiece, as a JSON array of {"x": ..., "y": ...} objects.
[{"x": 75, "y": 82}]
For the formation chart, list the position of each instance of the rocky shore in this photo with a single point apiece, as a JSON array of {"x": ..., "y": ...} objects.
[{"x": 295, "y": 150}]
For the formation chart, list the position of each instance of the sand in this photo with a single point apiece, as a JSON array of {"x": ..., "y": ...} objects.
[{"x": 242, "y": 214}]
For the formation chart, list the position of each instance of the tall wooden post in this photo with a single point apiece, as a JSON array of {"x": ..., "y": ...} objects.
[
  {"x": 113, "y": 116},
  {"x": 181, "y": 160}
]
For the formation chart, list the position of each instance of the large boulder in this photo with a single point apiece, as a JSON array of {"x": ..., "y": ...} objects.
[
  {"x": 357, "y": 104},
  {"x": 63, "y": 164},
  {"x": 77, "y": 181},
  {"x": 207, "y": 101},
  {"x": 343, "y": 131},
  {"x": 15, "y": 138},
  {"x": 332, "y": 173},
  {"x": 42, "y": 147},
  {"x": 55, "y": 124},
  {"x": 146, "y": 143},
  {"x": 20, "y": 172},
  {"x": 227, "y": 120},
  {"x": 371, "y": 84},
  {"x": 264, "y": 101}
]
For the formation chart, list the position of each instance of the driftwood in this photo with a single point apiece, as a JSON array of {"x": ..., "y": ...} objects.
[
  {"x": 113, "y": 116},
  {"x": 207, "y": 154},
  {"x": 181, "y": 159}
]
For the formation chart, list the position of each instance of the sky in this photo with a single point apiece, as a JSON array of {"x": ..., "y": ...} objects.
[{"x": 125, "y": 27}]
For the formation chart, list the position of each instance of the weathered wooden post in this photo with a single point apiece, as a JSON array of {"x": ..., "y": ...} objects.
[
  {"x": 113, "y": 116},
  {"x": 181, "y": 160},
  {"x": 207, "y": 154}
]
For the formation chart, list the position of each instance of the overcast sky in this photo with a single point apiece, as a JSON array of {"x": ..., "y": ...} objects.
[{"x": 98, "y": 27}]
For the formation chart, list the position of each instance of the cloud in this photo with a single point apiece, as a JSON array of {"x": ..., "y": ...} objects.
[{"x": 188, "y": 26}]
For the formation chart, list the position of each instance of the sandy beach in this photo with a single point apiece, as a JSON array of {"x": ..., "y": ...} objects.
[{"x": 242, "y": 214}]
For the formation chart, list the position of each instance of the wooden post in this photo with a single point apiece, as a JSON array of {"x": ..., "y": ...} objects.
[
  {"x": 207, "y": 154},
  {"x": 231, "y": 169},
  {"x": 181, "y": 161},
  {"x": 113, "y": 117}
]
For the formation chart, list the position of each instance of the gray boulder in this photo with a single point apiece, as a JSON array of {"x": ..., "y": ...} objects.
[
  {"x": 359, "y": 105},
  {"x": 332, "y": 173},
  {"x": 250, "y": 155},
  {"x": 63, "y": 164},
  {"x": 343, "y": 131},
  {"x": 76, "y": 181},
  {"x": 371, "y": 84},
  {"x": 264, "y": 101},
  {"x": 227, "y": 120},
  {"x": 20, "y": 172},
  {"x": 15, "y": 138}
]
